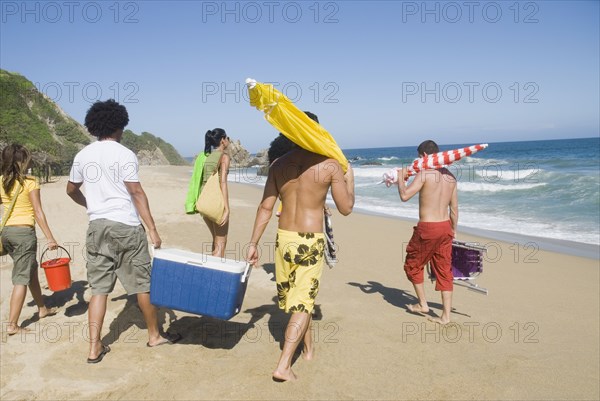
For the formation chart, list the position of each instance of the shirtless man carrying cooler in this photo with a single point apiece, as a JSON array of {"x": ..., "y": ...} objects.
[
  {"x": 432, "y": 237},
  {"x": 302, "y": 179}
]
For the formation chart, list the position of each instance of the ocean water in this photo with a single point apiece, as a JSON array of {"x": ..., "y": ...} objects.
[{"x": 547, "y": 189}]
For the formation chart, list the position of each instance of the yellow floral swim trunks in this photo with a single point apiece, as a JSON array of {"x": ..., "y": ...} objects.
[{"x": 298, "y": 267}]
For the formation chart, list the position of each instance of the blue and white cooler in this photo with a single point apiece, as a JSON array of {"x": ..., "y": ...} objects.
[{"x": 197, "y": 283}]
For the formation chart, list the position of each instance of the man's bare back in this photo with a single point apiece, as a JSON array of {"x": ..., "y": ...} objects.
[
  {"x": 436, "y": 196},
  {"x": 302, "y": 180}
]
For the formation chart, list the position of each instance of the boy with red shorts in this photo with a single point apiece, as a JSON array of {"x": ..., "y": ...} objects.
[{"x": 432, "y": 237}]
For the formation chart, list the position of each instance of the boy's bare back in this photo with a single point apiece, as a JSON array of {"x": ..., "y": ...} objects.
[{"x": 437, "y": 195}]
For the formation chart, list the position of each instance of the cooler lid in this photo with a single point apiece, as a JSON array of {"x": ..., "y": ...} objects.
[{"x": 199, "y": 259}]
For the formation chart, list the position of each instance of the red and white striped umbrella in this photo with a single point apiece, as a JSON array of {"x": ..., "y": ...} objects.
[
  {"x": 443, "y": 158},
  {"x": 434, "y": 161}
]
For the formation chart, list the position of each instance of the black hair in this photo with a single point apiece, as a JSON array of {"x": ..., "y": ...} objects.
[
  {"x": 279, "y": 147},
  {"x": 282, "y": 144},
  {"x": 312, "y": 116},
  {"x": 16, "y": 159},
  {"x": 428, "y": 147},
  {"x": 103, "y": 119},
  {"x": 212, "y": 139}
]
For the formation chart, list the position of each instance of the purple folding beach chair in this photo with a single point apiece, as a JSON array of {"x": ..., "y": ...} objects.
[{"x": 467, "y": 264}]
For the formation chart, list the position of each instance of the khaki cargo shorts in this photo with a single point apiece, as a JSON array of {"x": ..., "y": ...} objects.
[
  {"x": 116, "y": 250},
  {"x": 21, "y": 244}
]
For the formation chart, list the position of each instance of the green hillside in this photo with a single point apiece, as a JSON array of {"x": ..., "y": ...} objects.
[
  {"x": 147, "y": 141},
  {"x": 32, "y": 119}
]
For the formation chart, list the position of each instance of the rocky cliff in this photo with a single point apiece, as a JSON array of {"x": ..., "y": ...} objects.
[{"x": 240, "y": 157}]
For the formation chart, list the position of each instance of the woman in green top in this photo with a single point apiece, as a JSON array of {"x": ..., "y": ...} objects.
[{"x": 216, "y": 142}]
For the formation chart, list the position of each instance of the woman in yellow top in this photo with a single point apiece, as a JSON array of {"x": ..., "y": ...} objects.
[
  {"x": 218, "y": 140},
  {"x": 18, "y": 235}
]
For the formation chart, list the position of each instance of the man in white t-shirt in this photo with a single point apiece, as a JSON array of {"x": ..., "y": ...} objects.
[{"x": 116, "y": 241}]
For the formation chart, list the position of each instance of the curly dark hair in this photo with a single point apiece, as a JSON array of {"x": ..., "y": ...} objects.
[
  {"x": 279, "y": 147},
  {"x": 103, "y": 119}
]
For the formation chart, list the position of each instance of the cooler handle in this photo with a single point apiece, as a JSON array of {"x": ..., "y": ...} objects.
[
  {"x": 47, "y": 249},
  {"x": 246, "y": 273}
]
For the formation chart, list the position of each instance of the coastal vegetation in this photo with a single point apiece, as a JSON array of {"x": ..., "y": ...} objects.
[{"x": 30, "y": 118}]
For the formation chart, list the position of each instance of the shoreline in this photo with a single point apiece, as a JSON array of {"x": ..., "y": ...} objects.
[
  {"x": 580, "y": 249},
  {"x": 573, "y": 248},
  {"x": 562, "y": 246}
]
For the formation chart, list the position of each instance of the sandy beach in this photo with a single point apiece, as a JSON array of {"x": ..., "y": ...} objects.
[{"x": 534, "y": 336}]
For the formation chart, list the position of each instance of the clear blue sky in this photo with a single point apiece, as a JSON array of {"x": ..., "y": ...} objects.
[{"x": 378, "y": 73}]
